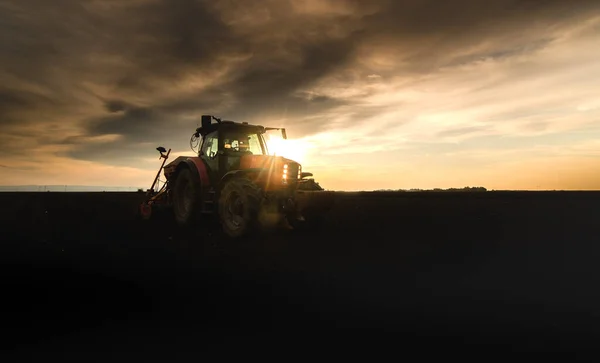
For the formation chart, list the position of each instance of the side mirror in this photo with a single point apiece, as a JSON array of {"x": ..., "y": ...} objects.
[
  {"x": 283, "y": 134},
  {"x": 304, "y": 175}
]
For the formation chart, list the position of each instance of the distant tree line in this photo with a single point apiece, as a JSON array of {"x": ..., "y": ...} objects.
[{"x": 465, "y": 189}]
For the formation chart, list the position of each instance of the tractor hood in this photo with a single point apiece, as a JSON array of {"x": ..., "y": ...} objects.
[
  {"x": 275, "y": 171},
  {"x": 265, "y": 162}
]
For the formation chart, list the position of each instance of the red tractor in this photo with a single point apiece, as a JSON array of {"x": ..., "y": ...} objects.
[{"x": 234, "y": 176}]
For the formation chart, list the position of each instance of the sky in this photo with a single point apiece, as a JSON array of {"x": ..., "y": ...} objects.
[{"x": 377, "y": 94}]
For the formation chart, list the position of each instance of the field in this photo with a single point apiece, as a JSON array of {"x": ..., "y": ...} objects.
[{"x": 434, "y": 273}]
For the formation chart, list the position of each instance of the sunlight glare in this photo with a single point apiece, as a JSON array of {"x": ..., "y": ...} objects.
[{"x": 292, "y": 149}]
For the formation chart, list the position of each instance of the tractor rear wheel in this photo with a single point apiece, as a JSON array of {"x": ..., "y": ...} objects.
[
  {"x": 186, "y": 197},
  {"x": 239, "y": 206}
]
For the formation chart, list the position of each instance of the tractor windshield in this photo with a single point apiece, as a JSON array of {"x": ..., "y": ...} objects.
[{"x": 243, "y": 142}]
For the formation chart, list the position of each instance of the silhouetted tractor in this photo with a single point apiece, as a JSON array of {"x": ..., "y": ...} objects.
[{"x": 234, "y": 177}]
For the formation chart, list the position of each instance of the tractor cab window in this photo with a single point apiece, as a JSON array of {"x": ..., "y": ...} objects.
[
  {"x": 210, "y": 146},
  {"x": 242, "y": 144},
  {"x": 254, "y": 143}
]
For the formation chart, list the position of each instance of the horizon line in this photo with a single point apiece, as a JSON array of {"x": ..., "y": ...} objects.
[{"x": 97, "y": 188}]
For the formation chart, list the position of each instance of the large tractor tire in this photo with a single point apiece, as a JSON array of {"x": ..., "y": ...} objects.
[
  {"x": 186, "y": 198},
  {"x": 239, "y": 205}
]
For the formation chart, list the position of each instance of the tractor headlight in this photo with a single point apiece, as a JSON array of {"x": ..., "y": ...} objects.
[{"x": 285, "y": 170}]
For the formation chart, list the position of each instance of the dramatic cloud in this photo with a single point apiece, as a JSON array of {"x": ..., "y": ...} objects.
[{"x": 379, "y": 94}]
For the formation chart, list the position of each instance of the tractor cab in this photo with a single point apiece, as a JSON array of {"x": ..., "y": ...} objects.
[
  {"x": 222, "y": 149},
  {"x": 228, "y": 146}
]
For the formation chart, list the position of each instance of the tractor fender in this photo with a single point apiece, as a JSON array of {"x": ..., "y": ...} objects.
[
  {"x": 198, "y": 169},
  {"x": 241, "y": 172}
]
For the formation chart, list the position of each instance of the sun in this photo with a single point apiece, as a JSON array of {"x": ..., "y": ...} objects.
[{"x": 291, "y": 149}]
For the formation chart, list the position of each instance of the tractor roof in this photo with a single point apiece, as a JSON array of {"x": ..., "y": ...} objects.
[
  {"x": 230, "y": 125},
  {"x": 208, "y": 126}
]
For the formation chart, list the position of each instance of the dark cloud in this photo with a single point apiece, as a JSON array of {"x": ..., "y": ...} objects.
[
  {"x": 119, "y": 153},
  {"x": 136, "y": 127},
  {"x": 14, "y": 103},
  {"x": 414, "y": 18},
  {"x": 426, "y": 35},
  {"x": 116, "y": 106},
  {"x": 167, "y": 39},
  {"x": 154, "y": 66}
]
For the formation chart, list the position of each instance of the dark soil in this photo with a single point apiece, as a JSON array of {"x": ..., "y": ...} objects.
[{"x": 481, "y": 274}]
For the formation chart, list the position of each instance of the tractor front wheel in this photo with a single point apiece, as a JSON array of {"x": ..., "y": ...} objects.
[{"x": 239, "y": 206}]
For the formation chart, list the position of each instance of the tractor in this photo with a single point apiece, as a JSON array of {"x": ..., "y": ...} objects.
[{"x": 234, "y": 177}]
